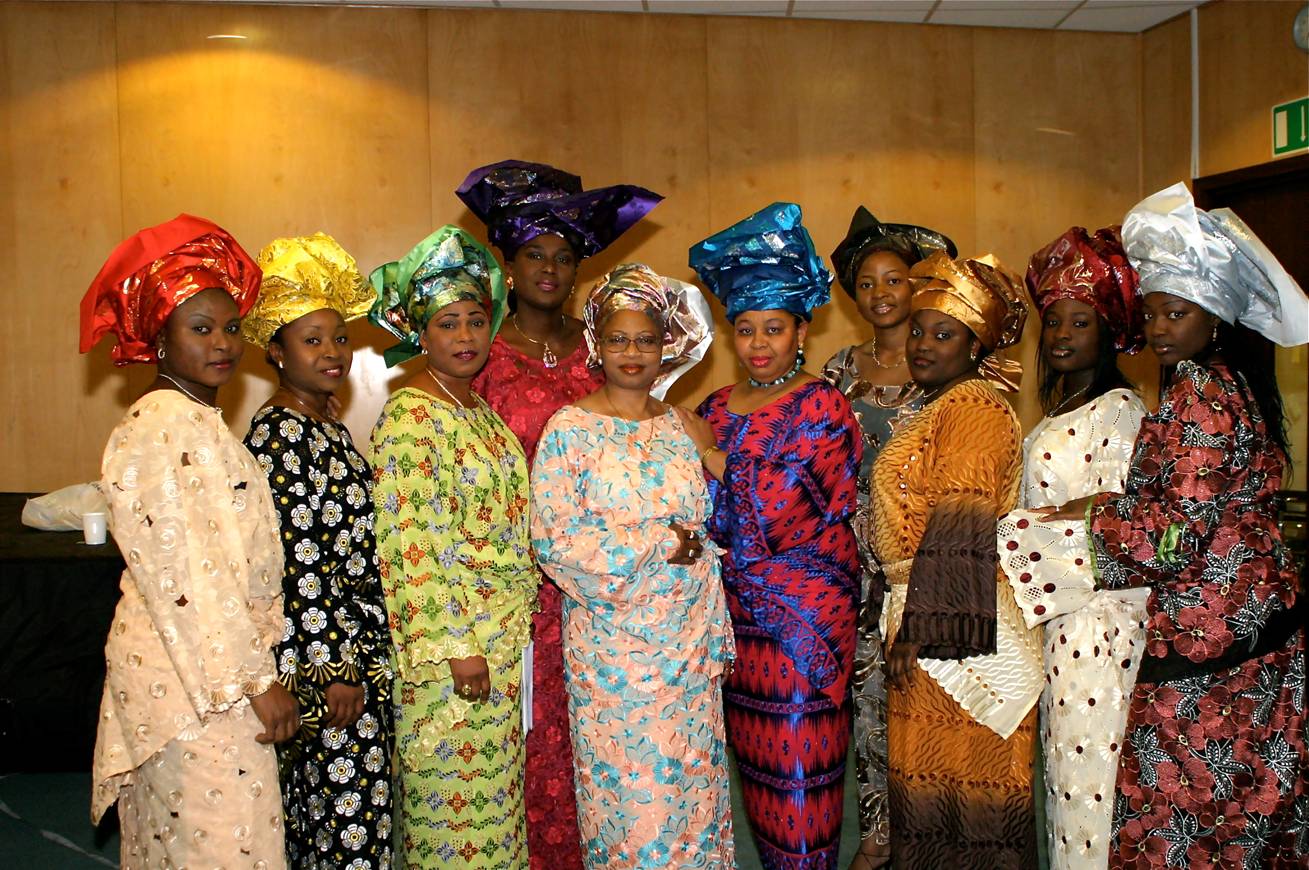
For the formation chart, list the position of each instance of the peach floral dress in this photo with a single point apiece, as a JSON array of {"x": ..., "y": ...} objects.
[{"x": 645, "y": 641}]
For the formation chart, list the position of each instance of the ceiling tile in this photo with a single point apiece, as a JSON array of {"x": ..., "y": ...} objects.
[
  {"x": 1125, "y": 17},
  {"x": 722, "y": 7},
  {"x": 904, "y": 11},
  {"x": 1002, "y": 13},
  {"x": 861, "y": 6},
  {"x": 891, "y": 16},
  {"x": 575, "y": 5}
]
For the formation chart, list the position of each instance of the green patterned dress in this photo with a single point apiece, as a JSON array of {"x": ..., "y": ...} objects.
[{"x": 453, "y": 544}]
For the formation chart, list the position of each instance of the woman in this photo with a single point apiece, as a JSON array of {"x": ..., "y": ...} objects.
[
  {"x": 619, "y": 504},
  {"x": 336, "y": 649},
  {"x": 1214, "y": 769},
  {"x": 783, "y": 448},
  {"x": 1085, "y": 291},
  {"x": 963, "y": 671},
  {"x": 450, "y": 495},
  {"x": 544, "y": 224},
  {"x": 191, "y": 703},
  {"x": 872, "y": 266}
]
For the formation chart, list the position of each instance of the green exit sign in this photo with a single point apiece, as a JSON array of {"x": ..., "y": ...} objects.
[{"x": 1291, "y": 127}]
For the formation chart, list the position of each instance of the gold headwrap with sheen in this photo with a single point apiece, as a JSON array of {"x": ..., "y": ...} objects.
[
  {"x": 302, "y": 275},
  {"x": 985, "y": 297}
]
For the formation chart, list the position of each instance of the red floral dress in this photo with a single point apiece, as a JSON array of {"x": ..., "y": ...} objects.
[
  {"x": 1214, "y": 770},
  {"x": 526, "y": 394}
]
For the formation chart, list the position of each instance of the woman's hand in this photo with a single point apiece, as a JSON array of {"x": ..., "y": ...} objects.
[
  {"x": 472, "y": 679},
  {"x": 345, "y": 704},
  {"x": 699, "y": 430},
  {"x": 278, "y": 712},
  {"x": 706, "y": 443},
  {"x": 689, "y": 546},
  {"x": 901, "y": 664},
  {"x": 1073, "y": 510}
]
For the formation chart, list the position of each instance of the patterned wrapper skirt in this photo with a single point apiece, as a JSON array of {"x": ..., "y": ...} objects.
[{"x": 790, "y": 742}]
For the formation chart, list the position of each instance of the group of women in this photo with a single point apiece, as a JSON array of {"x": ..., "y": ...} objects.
[{"x": 524, "y": 626}]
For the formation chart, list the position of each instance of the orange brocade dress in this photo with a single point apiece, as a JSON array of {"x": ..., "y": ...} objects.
[{"x": 960, "y": 794}]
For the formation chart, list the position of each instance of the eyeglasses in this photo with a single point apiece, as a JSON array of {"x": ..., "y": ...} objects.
[{"x": 617, "y": 343}]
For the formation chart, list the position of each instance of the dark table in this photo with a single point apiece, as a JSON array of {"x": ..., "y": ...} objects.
[{"x": 57, "y": 600}]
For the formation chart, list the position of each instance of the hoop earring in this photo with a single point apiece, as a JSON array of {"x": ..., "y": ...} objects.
[{"x": 159, "y": 352}]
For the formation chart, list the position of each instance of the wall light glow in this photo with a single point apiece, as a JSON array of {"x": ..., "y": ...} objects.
[{"x": 225, "y": 36}]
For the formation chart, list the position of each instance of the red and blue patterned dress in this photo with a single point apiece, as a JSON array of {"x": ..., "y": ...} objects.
[
  {"x": 526, "y": 394},
  {"x": 791, "y": 571},
  {"x": 1214, "y": 770}
]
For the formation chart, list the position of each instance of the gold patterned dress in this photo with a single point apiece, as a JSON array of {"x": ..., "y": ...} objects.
[
  {"x": 450, "y": 495},
  {"x": 960, "y": 736},
  {"x": 192, "y": 640}
]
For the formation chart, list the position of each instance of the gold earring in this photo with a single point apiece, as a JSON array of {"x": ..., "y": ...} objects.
[{"x": 509, "y": 282}]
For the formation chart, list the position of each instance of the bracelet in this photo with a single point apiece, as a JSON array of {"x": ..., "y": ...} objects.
[{"x": 709, "y": 451}]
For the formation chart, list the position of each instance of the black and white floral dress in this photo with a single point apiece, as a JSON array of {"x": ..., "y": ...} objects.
[{"x": 336, "y": 782}]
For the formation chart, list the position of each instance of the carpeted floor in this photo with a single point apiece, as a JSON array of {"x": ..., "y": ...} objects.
[{"x": 45, "y": 824}]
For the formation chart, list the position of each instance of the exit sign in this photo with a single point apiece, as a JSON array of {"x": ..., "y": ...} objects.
[{"x": 1291, "y": 127}]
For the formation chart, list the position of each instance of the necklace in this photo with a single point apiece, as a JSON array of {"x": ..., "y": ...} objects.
[
  {"x": 617, "y": 413},
  {"x": 445, "y": 389},
  {"x": 548, "y": 358},
  {"x": 189, "y": 394},
  {"x": 877, "y": 360},
  {"x": 1057, "y": 409},
  {"x": 304, "y": 406},
  {"x": 795, "y": 370}
]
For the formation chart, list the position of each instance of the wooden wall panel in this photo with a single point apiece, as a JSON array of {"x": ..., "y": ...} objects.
[
  {"x": 1052, "y": 148},
  {"x": 1166, "y": 105},
  {"x": 361, "y": 122},
  {"x": 833, "y": 115},
  {"x": 60, "y": 215},
  {"x": 316, "y": 121},
  {"x": 534, "y": 99},
  {"x": 1248, "y": 64}
]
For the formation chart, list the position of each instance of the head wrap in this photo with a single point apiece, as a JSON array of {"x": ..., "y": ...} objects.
[
  {"x": 868, "y": 235},
  {"x": 151, "y": 273},
  {"x": 446, "y": 267},
  {"x": 303, "y": 275},
  {"x": 1213, "y": 259},
  {"x": 1093, "y": 269},
  {"x": 677, "y": 308},
  {"x": 983, "y": 296},
  {"x": 763, "y": 263},
  {"x": 519, "y": 201}
]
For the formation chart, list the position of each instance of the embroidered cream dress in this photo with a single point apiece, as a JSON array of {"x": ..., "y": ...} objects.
[
  {"x": 1093, "y": 640},
  {"x": 192, "y": 640}
]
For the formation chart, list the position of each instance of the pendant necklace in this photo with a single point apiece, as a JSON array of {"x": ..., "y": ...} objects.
[
  {"x": 548, "y": 358},
  {"x": 1054, "y": 412},
  {"x": 445, "y": 389},
  {"x": 795, "y": 370},
  {"x": 189, "y": 394}
]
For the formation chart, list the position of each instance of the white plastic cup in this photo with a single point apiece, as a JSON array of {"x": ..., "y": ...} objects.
[{"x": 94, "y": 528}]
